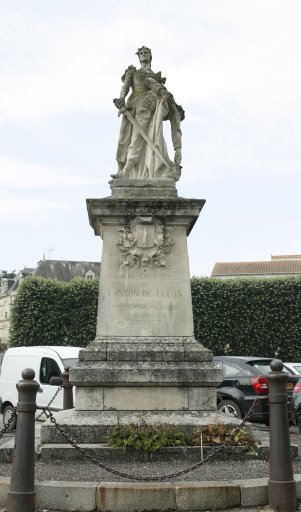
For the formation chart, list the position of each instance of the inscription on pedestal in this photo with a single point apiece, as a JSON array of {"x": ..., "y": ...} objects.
[
  {"x": 145, "y": 282},
  {"x": 145, "y": 293}
]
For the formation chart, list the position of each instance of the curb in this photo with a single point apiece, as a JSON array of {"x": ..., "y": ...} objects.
[
  {"x": 72, "y": 496},
  {"x": 54, "y": 452}
]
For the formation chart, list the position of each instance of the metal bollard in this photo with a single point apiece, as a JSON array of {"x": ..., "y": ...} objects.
[
  {"x": 67, "y": 388},
  {"x": 68, "y": 391},
  {"x": 21, "y": 496},
  {"x": 281, "y": 486}
]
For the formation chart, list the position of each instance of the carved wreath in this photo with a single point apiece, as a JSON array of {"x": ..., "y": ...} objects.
[{"x": 145, "y": 242}]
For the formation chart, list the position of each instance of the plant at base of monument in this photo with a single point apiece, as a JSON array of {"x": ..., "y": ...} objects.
[
  {"x": 146, "y": 438},
  {"x": 216, "y": 434}
]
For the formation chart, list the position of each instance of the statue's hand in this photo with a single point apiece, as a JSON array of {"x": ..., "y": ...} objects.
[
  {"x": 178, "y": 156},
  {"x": 119, "y": 102},
  {"x": 151, "y": 82},
  {"x": 155, "y": 86}
]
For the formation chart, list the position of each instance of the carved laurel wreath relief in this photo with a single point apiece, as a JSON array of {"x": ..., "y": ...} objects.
[{"x": 144, "y": 242}]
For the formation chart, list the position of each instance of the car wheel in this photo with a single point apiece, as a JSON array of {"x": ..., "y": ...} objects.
[
  {"x": 7, "y": 413},
  {"x": 230, "y": 407}
]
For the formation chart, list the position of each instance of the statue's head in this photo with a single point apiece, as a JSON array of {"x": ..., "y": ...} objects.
[{"x": 144, "y": 52}]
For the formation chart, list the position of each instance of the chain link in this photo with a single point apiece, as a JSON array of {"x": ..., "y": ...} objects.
[{"x": 161, "y": 478}]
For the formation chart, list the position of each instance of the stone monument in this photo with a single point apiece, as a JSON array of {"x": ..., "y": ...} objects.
[{"x": 144, "y": 362}]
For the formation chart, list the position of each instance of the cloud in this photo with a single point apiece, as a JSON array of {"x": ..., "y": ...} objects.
[
  {"x": 31, "y": 210},
  {"x": 233, "y": 51},
  {"x": 18, "y": 174}
]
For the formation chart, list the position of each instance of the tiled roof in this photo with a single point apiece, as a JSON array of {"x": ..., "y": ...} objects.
[
  {"x": 258, "y": 268},
  {"x": 287, "y": 257},
  {"x": 66, "y": 270}
]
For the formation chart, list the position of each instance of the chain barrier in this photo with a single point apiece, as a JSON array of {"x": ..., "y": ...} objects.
[
  {"x": 297, "y": 416},
  {"x": 5, "y": 429},
  {"x": 7, "y": 425},
  {"x": 49, "y": 404},
  {"x": 161, "y": 478}
]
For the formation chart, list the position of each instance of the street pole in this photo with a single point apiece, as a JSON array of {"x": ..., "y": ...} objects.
[
  {"x": 68, "y": 391},
  {"x": 21, "y": 496},
  {"x": 281, "y": 485}
]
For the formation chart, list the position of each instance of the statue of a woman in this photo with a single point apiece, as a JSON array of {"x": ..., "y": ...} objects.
[{"x": 142, "y": 151}]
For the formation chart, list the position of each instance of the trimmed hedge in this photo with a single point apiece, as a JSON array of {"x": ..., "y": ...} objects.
[
  {"x": 260, "y": 317},
  {"x": 49, "y": 312}
]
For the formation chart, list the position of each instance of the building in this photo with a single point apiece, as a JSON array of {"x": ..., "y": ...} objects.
[
  {"x": 66, "y": 270},
  {"x": 278, "y": 266},
  {"x": 50, "y": 269},
  {"x": 9, "y": 286}
]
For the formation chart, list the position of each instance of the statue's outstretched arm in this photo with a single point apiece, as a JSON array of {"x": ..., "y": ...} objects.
[{"x": 120, "y": 102}]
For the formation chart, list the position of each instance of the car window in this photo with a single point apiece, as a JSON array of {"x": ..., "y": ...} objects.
[
  {"x": 70, "y": 363},
  {"x": 264, "y": 366},
  {"x": 288, "y": 370},
  {"x": 298, "y": 369},
  {"x": 49, "y": 368},
  {"x": 230, "y": 371}
]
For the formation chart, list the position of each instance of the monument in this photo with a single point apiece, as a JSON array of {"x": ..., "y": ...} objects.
[{"x": 144, "y": 362}]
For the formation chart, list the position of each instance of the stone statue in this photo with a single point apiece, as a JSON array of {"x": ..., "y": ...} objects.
[{"x": 142, "y": 151}]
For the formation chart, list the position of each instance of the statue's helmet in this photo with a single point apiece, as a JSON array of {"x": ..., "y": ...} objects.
[{"x": 144, "y": 48}]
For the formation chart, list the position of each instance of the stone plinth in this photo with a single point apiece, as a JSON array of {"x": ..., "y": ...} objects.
[
  {"x": 145, "y": 281},
  {"x": 144, "y": 362}
]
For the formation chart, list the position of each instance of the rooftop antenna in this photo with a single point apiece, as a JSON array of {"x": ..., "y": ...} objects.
[{"x": 49, "y": 251}]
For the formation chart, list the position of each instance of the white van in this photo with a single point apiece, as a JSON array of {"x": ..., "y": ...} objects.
[{"x": 46, "y": 361}]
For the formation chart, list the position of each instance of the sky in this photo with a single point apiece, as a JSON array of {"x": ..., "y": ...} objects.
[{"x": 234, "y": 66}]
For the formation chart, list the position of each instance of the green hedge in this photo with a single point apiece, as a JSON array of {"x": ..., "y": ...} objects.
[
  {"x": 260, "y": 317},
  {"x": 48, "y": 312}
]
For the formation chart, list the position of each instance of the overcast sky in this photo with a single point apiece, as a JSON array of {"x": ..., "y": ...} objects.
[{"x": 234, "y": 65}]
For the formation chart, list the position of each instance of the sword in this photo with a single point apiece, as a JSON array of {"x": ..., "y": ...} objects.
[{"x": 132, "y": 120}]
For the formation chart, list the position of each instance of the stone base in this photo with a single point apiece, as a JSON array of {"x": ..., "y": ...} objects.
[
  {"x": 95, "y": 426},
  {"x": 144, "y": 363},
  {"x": 105, "y": 454},
  {"x": 162, "y": 380},
  {"x": 144, "y": 348},
  {"x": 141, "y": 188},
  {"x": 147, "y": 363}
]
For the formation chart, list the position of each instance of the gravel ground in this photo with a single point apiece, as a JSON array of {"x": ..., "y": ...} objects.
[
  {"x": 230, "y": 470},
  {"x": 212, "y": 470}
]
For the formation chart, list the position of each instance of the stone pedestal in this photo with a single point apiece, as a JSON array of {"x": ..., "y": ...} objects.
[{"x": 144, "y": 362}]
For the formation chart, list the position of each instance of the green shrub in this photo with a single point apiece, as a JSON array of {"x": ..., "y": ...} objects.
[
  {"x": 260, "y": 317},
  {"x": 150, "y": 438},
  {"x": 146, "y": 438},
  {"x": 38, "y": 313},
  {"x": 50, "y": 312}
]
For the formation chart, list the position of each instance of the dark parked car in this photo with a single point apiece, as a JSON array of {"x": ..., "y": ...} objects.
[
  {"x": 244, "y": 381},
  {"x": 297, "y": 403}
]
